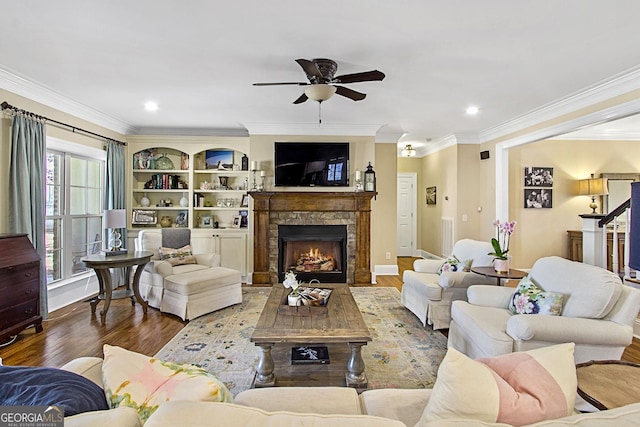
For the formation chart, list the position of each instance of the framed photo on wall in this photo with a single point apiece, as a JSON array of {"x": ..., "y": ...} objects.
[
  {"x": 431, "y": 195},
  {"x": 536, "y": 176},
  {"x": 538, "y": 198}
]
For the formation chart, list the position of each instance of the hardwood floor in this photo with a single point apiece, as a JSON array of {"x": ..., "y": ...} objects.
[{"x": 73, "y": 331}]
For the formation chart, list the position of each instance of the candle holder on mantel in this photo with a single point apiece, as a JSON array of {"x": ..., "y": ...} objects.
[
  {"x": 262, "y": 181},
  {"x": 359, "y": 185},
  {"x": 254, "y": 184}
]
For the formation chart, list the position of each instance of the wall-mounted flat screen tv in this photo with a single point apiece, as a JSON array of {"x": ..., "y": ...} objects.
[{"x": 309, "y": 164}]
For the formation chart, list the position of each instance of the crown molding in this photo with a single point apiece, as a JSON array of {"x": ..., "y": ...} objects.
[
  {"x": 603, "y": 136},
  {"x": 230, "y": 132},
  {"x": 616, "y": 85},
  {"x": 312, "y": 129},
  {"x": 13, "y": 82}
]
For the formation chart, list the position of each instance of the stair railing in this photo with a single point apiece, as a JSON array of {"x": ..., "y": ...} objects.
[{"x": 624, "y": 211}]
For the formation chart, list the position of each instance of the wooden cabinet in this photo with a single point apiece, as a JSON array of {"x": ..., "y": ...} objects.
[
  {"x": 19, "y": 285},
  {"x": 231, "y": 248},
  {"x": 575, "y": 248}
]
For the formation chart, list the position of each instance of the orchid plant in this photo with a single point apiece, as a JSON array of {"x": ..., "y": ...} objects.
[
  {"x": 500, "y": 243},
  {"x": 290, "y": 281}
]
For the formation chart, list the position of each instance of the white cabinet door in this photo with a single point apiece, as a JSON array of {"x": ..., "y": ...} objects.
[{"x": 232, "y": 248}]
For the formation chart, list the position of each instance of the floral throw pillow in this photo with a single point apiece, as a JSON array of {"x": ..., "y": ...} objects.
[
  {"x": 177, "y": 256},
  {"x": 144, "y": 383},
  {"x": 531, "y": 299},
  {"x": 452, "y": 263}
]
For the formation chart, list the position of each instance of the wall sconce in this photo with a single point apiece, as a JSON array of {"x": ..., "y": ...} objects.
[{"x": 593, "y": 187}]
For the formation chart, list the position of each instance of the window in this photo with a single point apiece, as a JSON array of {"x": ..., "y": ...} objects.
[{"x": 74, "y": 194}]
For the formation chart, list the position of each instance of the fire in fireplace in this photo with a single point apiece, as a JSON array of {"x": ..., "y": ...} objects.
[{"x": 313, "y": 252}]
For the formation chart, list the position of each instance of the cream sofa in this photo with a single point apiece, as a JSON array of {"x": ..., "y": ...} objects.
[
  {"x": 429, "y": 294},
  {"x": 597, "y": 314},
  {"x": 308, "y": 406}
]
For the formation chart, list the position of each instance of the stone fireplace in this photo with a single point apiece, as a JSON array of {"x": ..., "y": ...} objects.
[
  {"x": 346, "y": 210},
  {"x": 313, "y": 252}
]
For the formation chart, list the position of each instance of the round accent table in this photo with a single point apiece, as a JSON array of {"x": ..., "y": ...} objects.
[
  {"x": 102, "y": 265},
  {"x": 608, "y": 384},
  {"x": 491, "y": 272}
]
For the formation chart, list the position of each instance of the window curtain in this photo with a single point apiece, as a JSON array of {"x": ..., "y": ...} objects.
[
  {"x": 114, "y": 195},
  {"x": 26, "y": 188}
]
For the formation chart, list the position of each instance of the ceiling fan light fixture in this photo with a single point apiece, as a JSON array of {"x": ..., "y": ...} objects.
[
  {"x": 408, "y": 151},
  {"x": 320, "y": 92}
]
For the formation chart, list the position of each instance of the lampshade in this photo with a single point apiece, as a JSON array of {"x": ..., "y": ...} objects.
[
  {"x": 593, "y": 186},
  {"x": 408, "y": 151},
  {"x": 320, "y": 92},
  {"x": 114, "y": 218}
]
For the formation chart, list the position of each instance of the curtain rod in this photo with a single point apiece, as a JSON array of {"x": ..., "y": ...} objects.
[{"x": 6, "y": 106}]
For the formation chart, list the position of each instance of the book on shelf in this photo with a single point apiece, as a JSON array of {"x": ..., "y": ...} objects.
[{"x": 309, "y": 354}]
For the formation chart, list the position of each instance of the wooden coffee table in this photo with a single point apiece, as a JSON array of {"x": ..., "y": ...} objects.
[{"x": 340, "y": 323}]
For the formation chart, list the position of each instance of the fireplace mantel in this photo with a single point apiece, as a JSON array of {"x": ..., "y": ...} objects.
[{"x": 268, "y": 202}]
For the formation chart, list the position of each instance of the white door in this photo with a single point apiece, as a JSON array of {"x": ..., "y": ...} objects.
[{"x": 407, "y": 214}]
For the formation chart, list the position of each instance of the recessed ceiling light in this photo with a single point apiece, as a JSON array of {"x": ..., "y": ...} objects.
[
  {"x": 150, "y": 106},
  {"x": 472, "y": 110}
]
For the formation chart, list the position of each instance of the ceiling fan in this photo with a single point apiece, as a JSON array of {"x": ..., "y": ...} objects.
[{"x": 323, "y": 83}]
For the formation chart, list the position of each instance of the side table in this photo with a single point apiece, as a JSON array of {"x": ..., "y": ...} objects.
[
  {"x": 102, "y": 265},
  {"x": 608, "y": 384},
  {"x": 491, "y": 272}
]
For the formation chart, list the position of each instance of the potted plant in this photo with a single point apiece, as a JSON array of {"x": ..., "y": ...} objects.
[
  {"x": 500, "y": 245},
  {"x": 290, "y": 281}
]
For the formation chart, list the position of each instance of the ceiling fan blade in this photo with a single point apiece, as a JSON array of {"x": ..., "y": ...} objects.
[
  {"x": 282, "y": 83},
  {"x": 350, "y": 93},
  {"x": 301, "y": 99},
  {"x": 310, "y": 68},
  {"x": 366, "y": 76}
]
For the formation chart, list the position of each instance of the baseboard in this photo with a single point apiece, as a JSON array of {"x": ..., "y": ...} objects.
[{"x": 386, "y": 270}]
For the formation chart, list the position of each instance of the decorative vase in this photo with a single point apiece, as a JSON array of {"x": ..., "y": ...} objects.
[
  {"x": 501, "y": 265},
  {"x": 166, "y": 221},
  {"x": 294, "y": 300},
  {"x": 184, "y": 202},
  {"x": 145, "y": 202}
]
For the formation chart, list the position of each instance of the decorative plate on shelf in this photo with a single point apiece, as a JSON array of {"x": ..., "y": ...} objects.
[{"x": 164, "y": 163}]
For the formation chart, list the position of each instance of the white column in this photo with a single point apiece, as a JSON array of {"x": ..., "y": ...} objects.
[{"x": 592, "y": 241}]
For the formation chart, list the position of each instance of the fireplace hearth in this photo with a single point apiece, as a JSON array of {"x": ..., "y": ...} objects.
[
  {"x": 349, "y": 209},
  {"x": 313, "y": 252}
]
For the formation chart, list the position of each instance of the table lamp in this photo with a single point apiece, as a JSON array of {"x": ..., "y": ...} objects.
[
  {"x": 593, "y": 187},
  {"x": 115, "y": 219}
]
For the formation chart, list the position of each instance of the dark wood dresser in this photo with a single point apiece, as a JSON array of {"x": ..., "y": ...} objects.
[{"x": 19, "y": 285}]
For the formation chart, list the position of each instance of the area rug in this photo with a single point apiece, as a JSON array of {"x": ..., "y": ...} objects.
[{"x": 403, "y": 353}]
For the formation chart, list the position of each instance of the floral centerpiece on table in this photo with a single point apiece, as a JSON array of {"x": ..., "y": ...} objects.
[
  {"x": 500, "y": 243},
  {"x": 290, "y": 281}
]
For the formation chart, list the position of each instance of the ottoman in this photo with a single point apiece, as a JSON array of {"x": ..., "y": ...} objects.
[{"x": 192, "y": 294}]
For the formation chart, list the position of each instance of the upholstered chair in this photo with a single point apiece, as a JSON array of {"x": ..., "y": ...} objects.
[
  {"x": 152, "y": 278},
  {"x": 183, "y": 279},
  {"x": 429, "y": 289},
  {"x": 561, "y": 301}
]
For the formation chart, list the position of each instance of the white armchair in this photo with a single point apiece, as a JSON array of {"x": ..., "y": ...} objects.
[
  {"x": 597, "y": 314},
  {"x": 152, "y": 278},
  {"x": 428, "y": 293}
]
